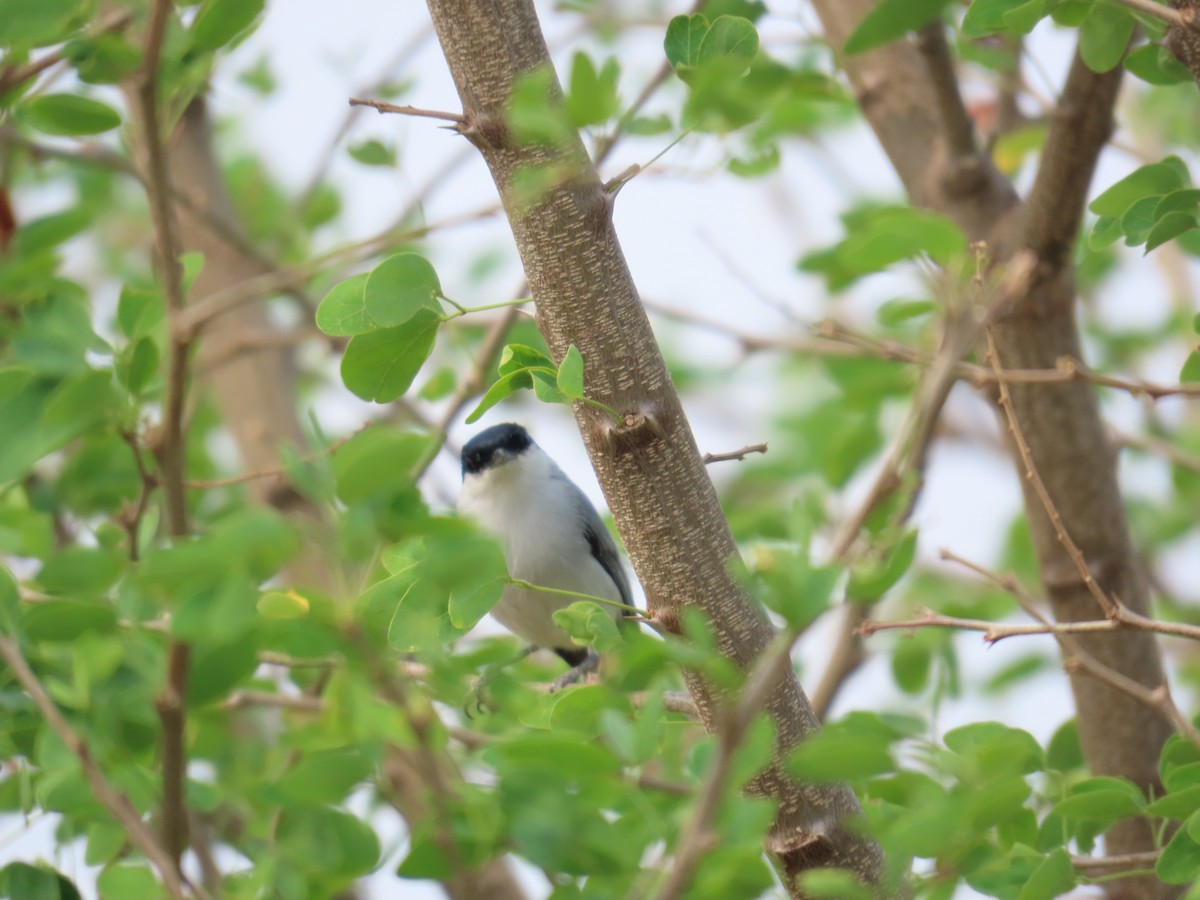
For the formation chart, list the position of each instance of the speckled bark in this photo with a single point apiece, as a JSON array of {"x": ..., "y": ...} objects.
[
  {"x": 650, "y": 469},
  {"x": 897, "y": 91}
]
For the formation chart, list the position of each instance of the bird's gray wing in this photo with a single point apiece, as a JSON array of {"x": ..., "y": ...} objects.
[{"x": 601, "y": 544}]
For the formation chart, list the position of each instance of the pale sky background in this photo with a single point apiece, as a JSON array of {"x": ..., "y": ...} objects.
[{"x": 696, "y": 238}]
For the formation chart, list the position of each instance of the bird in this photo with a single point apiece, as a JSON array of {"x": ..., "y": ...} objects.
[{"x": 551, "y": 536}]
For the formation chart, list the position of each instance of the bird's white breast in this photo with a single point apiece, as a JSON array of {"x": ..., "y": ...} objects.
[{"x": 540, "y": 529}]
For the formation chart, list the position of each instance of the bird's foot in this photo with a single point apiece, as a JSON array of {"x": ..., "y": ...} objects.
[
  {"x": 577, "y": 673},
  {"x": 479, "y": 701}
]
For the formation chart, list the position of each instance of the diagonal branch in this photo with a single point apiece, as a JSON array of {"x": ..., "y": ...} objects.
[
  {"x": 1080, "y": 126},
  {"x": 114, "y": 801}
]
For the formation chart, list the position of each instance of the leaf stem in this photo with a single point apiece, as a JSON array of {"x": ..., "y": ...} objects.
[{"x": 530, "y": 586}]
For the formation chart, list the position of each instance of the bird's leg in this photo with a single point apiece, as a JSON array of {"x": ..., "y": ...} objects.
[
  {"x": 478, "y": 695},
  {"x": 585, "y": 666}
]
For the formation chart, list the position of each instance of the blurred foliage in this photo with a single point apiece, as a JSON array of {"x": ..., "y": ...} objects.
[{"x": 296, "y": 696}]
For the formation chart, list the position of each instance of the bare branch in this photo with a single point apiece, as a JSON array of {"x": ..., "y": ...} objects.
[
  {"x": 1163, "y": 13},
  {"x": 1080, "y": 126},
  {"x": 171, "y": 444},
  {"x": 385, "y": 107},
  {"x": 13, "y": 76},
  {"x": 1102, "y": 864},
  {"x": 956, "y": 124},
  {"x": 734, "y": 455},
  {"x": 1107, "y": 604}
]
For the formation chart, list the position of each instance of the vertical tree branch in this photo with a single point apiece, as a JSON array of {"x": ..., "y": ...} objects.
[
  {"x": 1061, "y": 422},
  {"x": 647, "y": 463},
  {"x": 170, "y": 445}
]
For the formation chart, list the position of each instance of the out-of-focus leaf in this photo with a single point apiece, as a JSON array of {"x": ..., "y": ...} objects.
[
  {"x": 220, "y": 21},
  {"x": 70, "y": 115},
  {"x": 890, "y": 20}
]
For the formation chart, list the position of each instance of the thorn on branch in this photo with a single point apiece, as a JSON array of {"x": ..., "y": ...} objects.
[
  {"x": 382, "y": 107},
  {"x": 735, "y": 455}
]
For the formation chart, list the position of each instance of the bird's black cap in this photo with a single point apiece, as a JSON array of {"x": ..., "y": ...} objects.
[{"x": 493, "y": 446}]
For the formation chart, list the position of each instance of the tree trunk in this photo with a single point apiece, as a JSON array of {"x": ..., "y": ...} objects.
[
  {"x": 908, "y": 92},
  {"x": 648, "y": 465}
]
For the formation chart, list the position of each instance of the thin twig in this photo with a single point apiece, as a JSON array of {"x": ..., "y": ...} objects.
[
  {"x": 1076, "y": 659},
  {"x": 734, "y": 455},
  {"x": 132, "y": 514},
  {"x": 384, "y": 107},
  {"x": 1162, "y": 13},
  {"x": 277, "y": 471},
  {"x": 113, "y": 800},
  {"x": 1144, "y": 860},
  {"x": 11, "y": 77},
  {"x": 172, "y": 444},
  {"x": 393, "y": 67},
  {"x": 294, "y": 702},
  {"x": 1035, "y": 480},
  {"x": 1172, "y": 453}
]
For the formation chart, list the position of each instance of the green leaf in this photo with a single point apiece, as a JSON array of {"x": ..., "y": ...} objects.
[
  {"x": 984, "y": 17},
  {"x": 325, "y": 776},
  {"x": 1104, "y": 35},
  {"x": 80, "y": 570},
  {"x": 873, "y": 578},
  {"x": 218, "y": 667},
  {"x": 1191, "y": 368},
  {"x": 377, "y": 462},
  {"x": 996, "y": 748},
  {"x": 896, "y": 312},
  {"x": 1105, "y": 233},
  {"x": 1022, "y": 19},
  {"x": 103, "y": 59},
  {"x": 589, "y": 624},
  {"x": 343, "y": 312},
  {"x": 570, "y": 374},
  {"x": 833, "y": 884},
  {"x": 1102, "y": 798},
  {"x": 890, "y": 20},
  {"x": 1180, "y": 804},
  {"x": 10, "y": 602},
  {"x": 220, "y": 21},
  {"x": 1179, "y": 862},
  {"x": 129, "y": 882},
  {"x": 1168, "y": 227},
  {"x": 400, "y": 287},
  {"x": 1148, "y": 181},
  {"x": 837, "y": 757},
  {"x": 70, "y": 115},
  {"x": 49, "y": 231},
  {"x": 36, "y": 22},
  {"x": 502, "y": 388},
  {"x": 1185, "y": 201},
  {"x": 581, "y": 710},
  {"x": 1155, "y": 64},
  {"x": 381, "y": 365},
  {"x": 1053, "y": 878},
  {"x": 729, "y": 39},
  {"x": 683, "y": 38},
  {"x": 373, "y": 153},
  {"x": 592, "y": 98},
  {"x": 138, "y": 311},
  {"x": 66, "y": 620},
  {"x": 878, "y": 237},
  {"x": 139, "y": 365},
  {"x": 327, "y": 842},
  {"x": 21, "y": 881}
]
